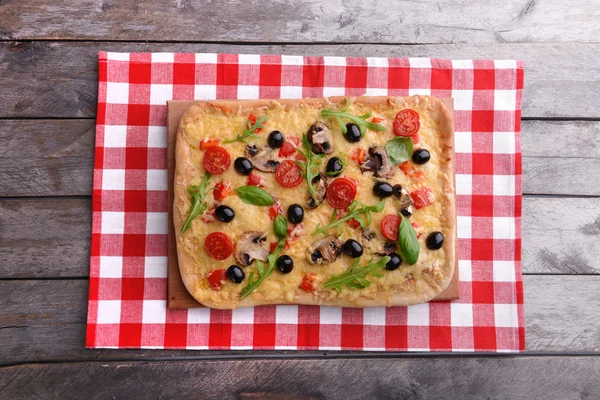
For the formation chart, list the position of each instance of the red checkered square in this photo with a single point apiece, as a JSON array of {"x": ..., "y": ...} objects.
[{"x": 127, "y": 291}]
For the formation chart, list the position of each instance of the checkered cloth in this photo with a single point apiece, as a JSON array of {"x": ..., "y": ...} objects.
[{"x": 128, "y": 268}]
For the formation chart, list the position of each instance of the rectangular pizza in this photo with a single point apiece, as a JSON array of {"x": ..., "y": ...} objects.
[{"x": 332, "y": 201}]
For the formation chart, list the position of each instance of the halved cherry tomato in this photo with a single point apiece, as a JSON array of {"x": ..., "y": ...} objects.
[
  {"x": 389, "y": 226},
  {"x": 254, "y": 179},
  {"x": 216, "y": 277},
  {"x": 207, "y": 144},
  {"x": 422, "y": 197},
  {"x": 358, "y": 155},
  {"x": 354, "y": 224},
  {"x": 308, "y": 282},
  {"x": 275, "y": 210},
  {"x": 410, "y": 171},
  {"x": 376, "y": 120},
  {"x": 252, "y": 119},
  {"x": 288, "y": 174},
  {"x": 218, "y": 245},
  {"x": 415, "y": 138},
  {"x": 216, "y": 160},
  {"x": 340, "y": 193},
  {"x": 222, "y": 190},
  {"x": 286, "y": 150},
  {"x": 407, "y": 123}
]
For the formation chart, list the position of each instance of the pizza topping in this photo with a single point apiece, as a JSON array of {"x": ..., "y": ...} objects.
[
  {"x": 410, "y": 171},
  {"x": 250, "y": 247},
  {"x": 218, "y": 245},
  {"x": 378, "y": 162},
  {"x": 355, "y": 277},
  {"x": 435, "y": 241},
  {"x": 225, "y": 213},
  {"x": 319, "y": 186},
  {"x": 325, "y": 250},
  {"x": 275, "y": 210},
  {"x": 341, "y": 193},
  {"x": 310, "y": 172},
  {"x": 405, "y": 202},
  {"x": 288, "y": 174},
  {"x": 285, "y": 264},
  {"x": 295, "y": 213},
  {"x": 408, "y": 242},
  {"x": 252, "y": 127},
  {"x": 235, "y": 274},
  {"x": 388, "y": 248},
  {"x": 255, "y": 196},
  {"x": 360, "y": 121},
  {"x": 222, "y": 190},
  {"x": 308, "y": 282},
  {"x": 407, "y": 123},
  {"x": 383, "y": 189},
  {"x": 199, "y": 206},
  {"x": 206, "y": 144},
  {"x": 352, "y": 248},
  {"x": 335, "y": 166},
  {"x": 389, "y": 226},
  {"x": 421, "y": 156},
  {"x": 359, "y": 155},
  {"x": 216, "y": 160},
  {"x": 399, "y": 149},
  {"x": 422, "y": 197},
  {"x": 376, "y": 120},
  {"x": 243, "y": 165},
  {"x": 394, "y": 263},
  {"x": 319, "y": 136},
  {"x": 209, "y": 216},
  {"x": 358, "y": 211},
  {"x": 215, "y": 278},
  {"x": 262, "y": 158},
  {"x": 275, "y": 139},
  {"x": 255, "y": 180},
  {"x": 352, "y": 134},
  {"x": 369, "y": 239}
]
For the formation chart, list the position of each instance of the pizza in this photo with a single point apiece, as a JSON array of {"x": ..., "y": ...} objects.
[{"x": 334, "y": 201}]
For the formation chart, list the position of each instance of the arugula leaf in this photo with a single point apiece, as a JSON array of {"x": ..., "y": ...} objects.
[
  {"x": 360, "y": 121},
  {"x": 249, "y": 130},
  {"x": 262, "y": 272},
  {"x": 408, "y": 242},
  {"x": 399, "y": 149},
  {"x": 356, "y": 276},
  {"x": 280, "y": 227},
  {"x": 255, "y": 195},
  {"x": 356, "y": 211},
  {"x": 310, "y": 168},
  {"x": 199, "y": 206}
]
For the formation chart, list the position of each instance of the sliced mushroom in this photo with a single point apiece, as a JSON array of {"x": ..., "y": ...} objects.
[
  {"x": 378, "y": 162},
  {"x": 249, "y": 247},
  {"x": 324, "y": 250},
  {"x": 388, "y": 248},
  {"x": 405, "y": 202},
  {"x": 262, "y": 158},
  {"x": 371, "y": 241},
  {"x": 320, "y": 183},
  {"x": 319, "y": 135}
]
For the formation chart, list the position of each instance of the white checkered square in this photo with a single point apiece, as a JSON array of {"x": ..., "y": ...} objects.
[
  {"x": 286, "y": 314},
  {"x": 333, "y": 91},
  {"x": 244, "y": 315},
  {"x": 205, "y": 92},
  {"x": 504, "y": 227},
  {"x": 113, "y": 179},
  {"x": 506, "y": 316},
  {"x": 155, "y": 267},
  {"x": 156, "y": 179},
  {"x": 465, "y": 271},
  {"x": 419, "y": 62},
  {"x": 117, "y": 56},
  {"x": 154, "y": 311},
  {"x": 157, "y": 223},
  {"x": 117, "y": 93},
  {"x": 334, "y": 61},
  {"x": 247, "y": 92},
  {"x": 109, "y": 312},
  {"x": 163, "y": 57},
  {"x": 464, "y": 227},
  {"x": 418, "y": 315},
  {"x": 376, "y": 92},
  {"x": 462, "y": 64},
  {"x": 463, "y": 99},
  {"x": 374, "y": 316},
  {"x": 421, "y": 91},
  {"x": 464, "y": 184},
  {"x": 291, "y": 92},
  {"x": 461, "y": 314},
  {"x": 111, "y": 267},
  {"x": 504, "y": 142},
  {"x": 505, "y": 100},
  {"x": 377, "y": 62},
  {"x": 115, "y": 136},
  {"x": 113, "y": 222},
  {"x": 252, "y": 59},
  {"x": 504, "y": 271},
  {"x": 206, "y": 58},
  {"x": 159, "y": 94},
  {"x": 505, "y": 64},
  {"x": 504, "y": 185},
  {"x": 157, "y": 137},
  {"x": 292, "y": 60},
  {"x": 463, "y": 142},
  {"x": 331, "y": 315},
  {"x": 198, "y": 316}
]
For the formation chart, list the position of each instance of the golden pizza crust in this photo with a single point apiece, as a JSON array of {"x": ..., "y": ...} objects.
[{"x": 429, "y": 284}]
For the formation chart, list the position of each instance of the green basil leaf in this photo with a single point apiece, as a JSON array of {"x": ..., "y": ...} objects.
[
  {"x": 399, "y": 149},
  {"x": 280, "y": 227},
  {"x": 255, "y": 195},
  {"x": 407, "y": 240}
]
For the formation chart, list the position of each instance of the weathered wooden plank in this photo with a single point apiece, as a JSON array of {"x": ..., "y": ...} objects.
[
  {"x": 44, "y": 320},
  {"x": 53, "y": 79},
  {"x": 453, "y": 378},
  {"x": 442, "y": 21},
  {"x": 49, "y": 238}
]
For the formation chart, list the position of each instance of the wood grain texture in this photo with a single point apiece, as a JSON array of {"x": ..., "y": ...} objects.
[
  {"x": 377, "y": 21},
  {"x": 54, "y": 79},
  {"x": 44, "y": 320},
  {"x": 563, "y": 378}
]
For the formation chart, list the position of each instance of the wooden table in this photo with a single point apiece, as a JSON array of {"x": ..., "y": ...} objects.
[{"x": 48, "y": 86}]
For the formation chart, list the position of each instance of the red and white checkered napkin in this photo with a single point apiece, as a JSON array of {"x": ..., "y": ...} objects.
[{"x": 128, "y": 271}]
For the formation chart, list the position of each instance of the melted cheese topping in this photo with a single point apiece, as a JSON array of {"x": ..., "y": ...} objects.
[{"x": 295, "y": 121}]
